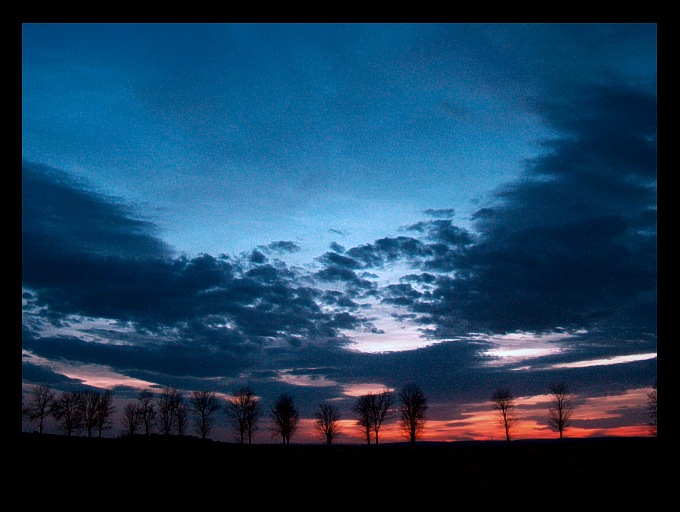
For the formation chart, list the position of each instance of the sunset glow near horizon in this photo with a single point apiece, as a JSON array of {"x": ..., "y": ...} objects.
[{"x": 329, "y": 210}]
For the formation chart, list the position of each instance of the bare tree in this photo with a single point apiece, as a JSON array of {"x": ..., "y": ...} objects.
[
  {"x": 146, "y": 410},
  {"x": 130, "y": 419},
  {"x": 244, "y": 412},
  {"x": 39, "y": 405},
  {"x": 88, "y": 406},
  {"x": 371, "y": 410},
  {"x": 504, "y": 402},
  {"x": 381, "y": 410},
  {"x": 285, "y": 417},
  {"x": 413, "y": 408},
  {"x": 252, "y": 416},
  {"x": 362, "y": 410},
  {"x": 181, "y": 414},
  {"x": 167, "y": 417},
  {"x": 205, "y": 405},
  {"x": 560, "y": 408},
  {"x": 104, "y": 412},
  {"x": 67, "y": 409},
  {"x": 651, "y": 410},
  {"x": 327, "y": 421}
]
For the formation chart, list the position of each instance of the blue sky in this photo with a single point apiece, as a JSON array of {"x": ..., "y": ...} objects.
[{"x": 321, "y": 208}]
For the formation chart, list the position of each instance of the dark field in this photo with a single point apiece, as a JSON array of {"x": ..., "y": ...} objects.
[{"x": 628, "y": 465}]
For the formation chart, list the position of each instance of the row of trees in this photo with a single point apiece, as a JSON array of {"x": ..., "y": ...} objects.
[
  {"x": 244, "y": 411},
  {"x": 87, "y": 409},
  {"x": 560, "y": 410},
  {"x": 170, "y": 412},
  {"x": 371, "y": 410}
]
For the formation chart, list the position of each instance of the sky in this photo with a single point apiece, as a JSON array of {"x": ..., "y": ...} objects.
[{"x": 333, "y": 209}]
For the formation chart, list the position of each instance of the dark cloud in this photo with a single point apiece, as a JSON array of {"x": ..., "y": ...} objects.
[
  {"x": 264, "y": 273},
  {"x": 340, "y": 232},
  {"x": 573, "y": 243},
  {"x": 340, "y": 274},
  {"x": 64, "y": 216},
  {"x": 336, "y": 298},
  {"x": 443, "y": 231},
  {"x": 284, "y": 246},
  {"x": 36, "y": 374},
  {"x": 219, "y": 307},
  {"x": 386, "y": 250},
  {"x": 614, "y": 129},
  {"x": 334, "y": 246},
  {"x": 440, "y": 213},
  {"x": 174, "y": 359},
  {"x": 257, "y": 257},
  {"x": 337, "y": 260},
  {"x": 400, "y": 294},
  {"x": 345, "y": 321},
  {"x": 447, "y": 244}
]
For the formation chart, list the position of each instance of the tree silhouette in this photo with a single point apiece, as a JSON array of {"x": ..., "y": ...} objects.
[
  {"x": 146, "y": 410},
  {"x": 560, "y": 408},
  {"x": 285, "y": 417},
  {"x": 67, "y": 410},
  {"x": 381, "y": 410},
  {"x": 504, "y": 402},
  {"x": 327, "y": 421},
  {"x": 370, "y": 411},
  {"x": 167, "y": 407},
  {"x": 651, "y": 410},
  {"x": 362, "y": 413},
  {"x": 412, "y": 411},
  {"x": 204, "y": 404},
  {"x": 130, "y": 419},
  {"x": 243, "y": 410},
  {"x": 88, "y": 406},
  {"x": 181, "y": 414},
  {"x": 104, "y": 412},
  {"x": 39, "y": 406}
]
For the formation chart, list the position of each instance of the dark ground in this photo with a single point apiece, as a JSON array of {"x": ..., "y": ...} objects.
[{"x": 624, "y": 465}]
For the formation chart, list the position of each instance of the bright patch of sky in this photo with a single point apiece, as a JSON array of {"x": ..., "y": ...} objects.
[
  {"x": 608, "y": 361},
  {"x": 519, "y": 346},
  {"x": 391, "y": 335},
  {"x": 356, "y": 390}
]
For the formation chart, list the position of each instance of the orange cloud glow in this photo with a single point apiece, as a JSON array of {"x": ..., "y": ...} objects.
[
  {"x": 362, "y": 389},
  {"x": 90, "y": 374}
]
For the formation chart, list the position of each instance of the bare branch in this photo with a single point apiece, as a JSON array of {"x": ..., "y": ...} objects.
[
  {"x": 39, "y": 406},
  {"x": 285, "y": 417},
  {"x": 327, "y": 421},
  {"x": 412, "y": 411},
  {"x": 204, "y": 404},
  {"x": 504, "y": 402},
  {"x": 244, "y": 412},
  {"x": 561, "y": 407}
]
